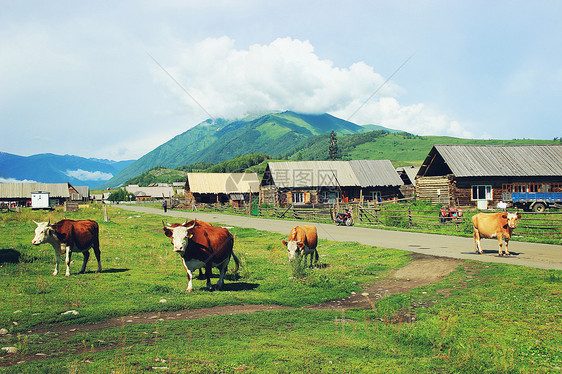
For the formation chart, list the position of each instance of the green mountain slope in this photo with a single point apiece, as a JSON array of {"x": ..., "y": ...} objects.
[
  {"x": 399, "y": 147},
  {"x": 275, "y": 134}
]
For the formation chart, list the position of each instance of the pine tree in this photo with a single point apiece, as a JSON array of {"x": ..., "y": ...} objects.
[{"x": 333, "y": 145}]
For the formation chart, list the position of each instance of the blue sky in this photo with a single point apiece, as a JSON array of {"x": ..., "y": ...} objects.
[{"x": 76, "y": 77}]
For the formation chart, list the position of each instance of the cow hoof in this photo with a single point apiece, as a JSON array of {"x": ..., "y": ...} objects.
[{"x": 54, "y": 274}]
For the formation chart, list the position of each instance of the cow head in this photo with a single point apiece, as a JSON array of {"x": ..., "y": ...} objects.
[
  {"x": 44, "y": 233},
  {"x": 179, "y": 234},
  {"x": 294, "y": 248},
  {"x": 511, "y": 219}
]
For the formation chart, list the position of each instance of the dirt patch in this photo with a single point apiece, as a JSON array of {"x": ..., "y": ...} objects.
[{"x": 421, "y": 271}]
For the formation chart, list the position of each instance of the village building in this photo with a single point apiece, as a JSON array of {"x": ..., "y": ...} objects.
[
  {"x": 408, "y": 176},
  {"x": 20, "y": 194},
  {"x": 478, "y": 175},
  {"x": 151, "y": 193},
  {"x": 327, "y": 182},
  {"x": 221, "y": 188}
]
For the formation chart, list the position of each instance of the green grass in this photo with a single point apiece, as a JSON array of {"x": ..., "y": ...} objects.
[{"x": 484, "y": 317}]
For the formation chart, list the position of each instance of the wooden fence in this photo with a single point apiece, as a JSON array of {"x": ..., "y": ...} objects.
[{"x": 545, "y": 225}]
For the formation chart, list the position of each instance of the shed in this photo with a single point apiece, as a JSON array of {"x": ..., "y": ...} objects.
[
  {"x": 477, "y": 175},
  {"x": 312, "y": 182},
  {"x": 211, "y": 188}
]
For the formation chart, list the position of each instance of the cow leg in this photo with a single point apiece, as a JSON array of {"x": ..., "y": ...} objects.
[
  {"x": 222, "y": 273},
  {"x": 86, "y": 254},
  {"x": 57, "y": 259},
  {"x": 476, "y": 236},
  {"x": 68, "y": 255},
  {"x": 506, "y": 249},
  {"x": 189, "y": 277},
  {"x": 97, "y": 252},
  {"x": 208, "y": 272},
  {"x": 500, "y": 243}
]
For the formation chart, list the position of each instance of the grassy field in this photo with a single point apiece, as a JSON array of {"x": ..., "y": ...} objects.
[{"x": 483, "y": 317}]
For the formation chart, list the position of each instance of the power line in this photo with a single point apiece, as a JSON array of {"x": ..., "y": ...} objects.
[
  {"x": 182, "y": 87},
  {"x": 381, "y": 86}
]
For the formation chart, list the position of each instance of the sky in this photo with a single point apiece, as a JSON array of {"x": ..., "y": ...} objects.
[{"x": 116, "y": 79}]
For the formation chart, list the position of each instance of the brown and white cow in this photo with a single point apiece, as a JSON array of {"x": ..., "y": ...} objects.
[
  {"x": 302, "y": 241},
  {"x": 67, "y": 236},
  {"x": 202, "y": 246},
  {"x": 494, "y": 225},
  {"x": 189, "y": 223}
]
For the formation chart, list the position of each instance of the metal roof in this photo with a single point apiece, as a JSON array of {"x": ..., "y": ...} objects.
[
  {"x": 373, "y": 173},
  {"x": 226, "y": 183},
  {"x": 358, "y": 173},
  {"x": 159, "y": 192},
  {"x": 24, "y": 190},
  {"x": 502, "y": 160}
]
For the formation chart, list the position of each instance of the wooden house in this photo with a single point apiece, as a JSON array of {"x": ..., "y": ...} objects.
[
  {"x": 477, "y": 175},
  {"x": 19, "y": 194},
  {"x": 317, "y": 182},
  {"x": 220, "y": 188}
]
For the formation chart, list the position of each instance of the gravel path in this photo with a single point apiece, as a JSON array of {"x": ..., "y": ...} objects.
[{"x": 543, "y": 256}]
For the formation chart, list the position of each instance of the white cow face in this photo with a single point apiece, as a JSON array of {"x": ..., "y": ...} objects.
[
  {"x": 512, "y": 219},
  {"x": 180, "y": 236},
  {"x": 294, "y": 249},
  {"x": 44, "y": 233}
]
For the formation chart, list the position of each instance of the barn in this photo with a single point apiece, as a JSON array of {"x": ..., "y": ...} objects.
[
  {"x": 477, "y": 175},
  {"x": 220, "y": 188},
  {"x": 19, "y": 194},
  {"x": 325, "y": 182}
]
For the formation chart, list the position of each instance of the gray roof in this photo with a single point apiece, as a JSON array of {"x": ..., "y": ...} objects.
[
  {"x": 372, "y": 173},
  {"x": 357, "y": 173},
  {"x": 226, "y": 183},
  {"x": 24, "y": 190},
  {"x": 502, "y": 160}
]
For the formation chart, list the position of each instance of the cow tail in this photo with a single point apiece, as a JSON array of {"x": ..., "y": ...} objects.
[{"x": 236, "y": 262}]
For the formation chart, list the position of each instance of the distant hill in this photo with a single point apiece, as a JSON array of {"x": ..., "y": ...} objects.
[
  {"x": 51, "y": 168},
  {"x": 215, "y": 141}
]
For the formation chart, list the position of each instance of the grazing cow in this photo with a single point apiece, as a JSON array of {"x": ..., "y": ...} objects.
[
  {"x": 189, "y": 223},
  {"x": 202, "y": 246},
  {"x": 494, "y": 225},
  {"x": 302, "y": 242},
  {"x": 70, "y": 236}
]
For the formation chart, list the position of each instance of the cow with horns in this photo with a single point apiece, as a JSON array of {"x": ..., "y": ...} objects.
[
  {"x": 202, "y": 246},
  {"x": 67, "y": 236}
]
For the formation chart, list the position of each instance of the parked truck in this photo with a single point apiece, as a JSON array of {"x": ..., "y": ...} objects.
[{"x": 535, "y": 201}]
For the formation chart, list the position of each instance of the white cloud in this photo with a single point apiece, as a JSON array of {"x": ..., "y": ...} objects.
[
  {"x": 88, "y": 175},
  {"x": 287, "y": 75},
  {"x": 12, "y": 180}
]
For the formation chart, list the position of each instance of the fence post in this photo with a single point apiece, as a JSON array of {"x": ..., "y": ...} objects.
[{"x": 409, "y": 216}]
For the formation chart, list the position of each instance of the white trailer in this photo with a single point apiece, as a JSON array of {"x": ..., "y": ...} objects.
[{"x": 40, "y": 200}]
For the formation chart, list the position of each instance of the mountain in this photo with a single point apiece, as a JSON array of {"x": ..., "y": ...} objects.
[
  {"x": 215, "y": 141},
  {"x": 51, "y": 168}
]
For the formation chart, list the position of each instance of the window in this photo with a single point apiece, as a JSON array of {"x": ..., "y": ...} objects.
[
  {"x": 298, "y": 197},
  {"x": 330, "y": 196},
  {"x": 483, "y": 192},
  {"x": 376, "y": 196}
]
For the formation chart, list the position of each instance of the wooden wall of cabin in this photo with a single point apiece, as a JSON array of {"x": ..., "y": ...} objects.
[{"x": 435, "y": 189}]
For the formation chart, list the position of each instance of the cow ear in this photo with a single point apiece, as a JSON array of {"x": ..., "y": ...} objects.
[
  {"x": 504, "y": 216},
  {"x": 300, "y": 245},
  {"x": 284, "y": 242},
  {"x": 167, "y": 232},
  {"x": 518, "y": 216}
]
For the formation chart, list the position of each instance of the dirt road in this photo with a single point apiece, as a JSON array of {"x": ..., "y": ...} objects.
[{"x": 544, "y": 256}]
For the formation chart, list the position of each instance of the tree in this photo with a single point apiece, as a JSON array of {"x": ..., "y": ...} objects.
[{"x": 333, "y": 145}]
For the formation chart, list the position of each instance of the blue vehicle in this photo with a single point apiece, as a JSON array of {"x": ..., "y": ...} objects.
[{"x": 535, "y": 201}]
